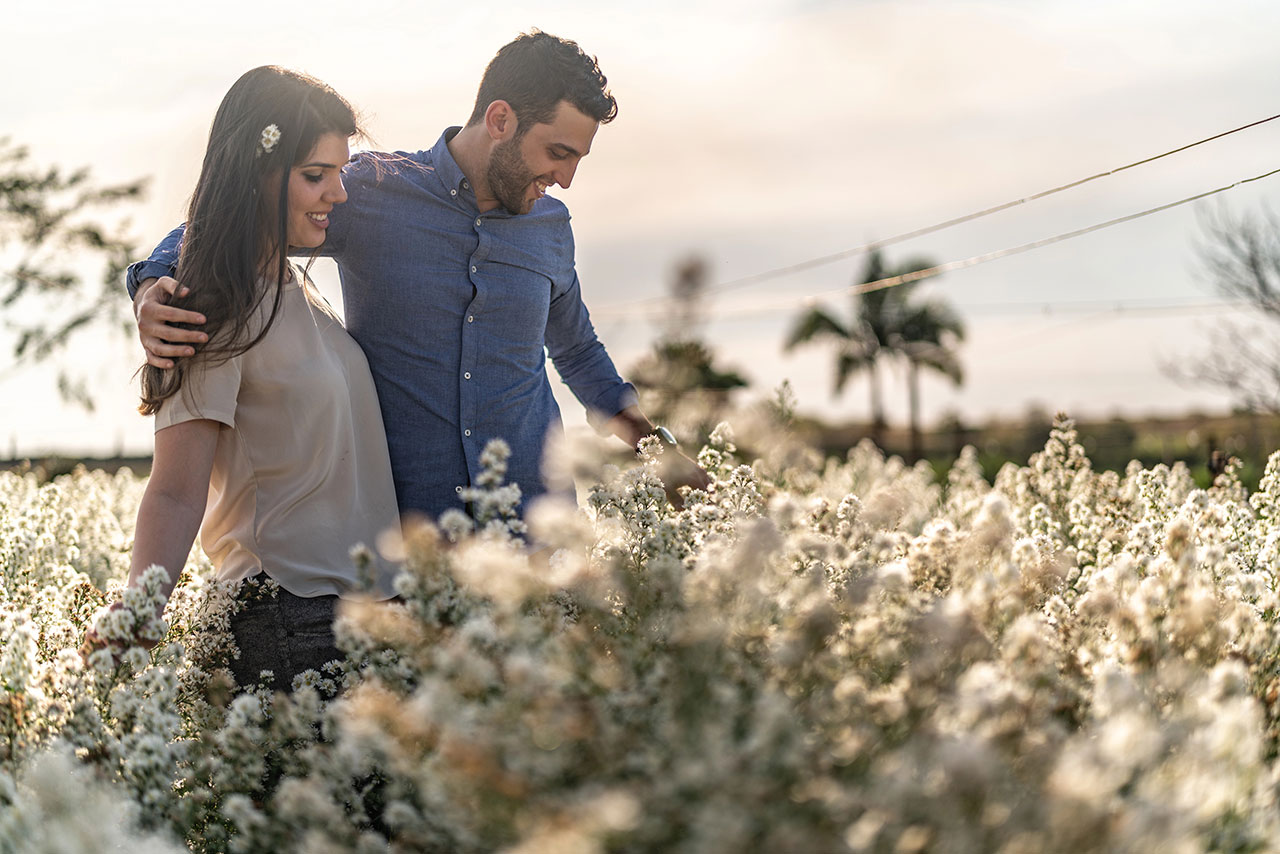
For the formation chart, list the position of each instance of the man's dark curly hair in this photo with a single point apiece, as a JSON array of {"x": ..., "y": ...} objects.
[{"x": 535, "y": 73}]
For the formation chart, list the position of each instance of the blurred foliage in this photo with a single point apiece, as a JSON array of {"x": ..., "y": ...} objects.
[
  {"x": 679, "y": 383},
  {"x": 52, "y": 229},
  {"x": 1111, "y": 443}
]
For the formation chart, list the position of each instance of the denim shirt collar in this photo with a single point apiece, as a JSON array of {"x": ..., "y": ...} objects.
[{"x": 448, "y": 170}]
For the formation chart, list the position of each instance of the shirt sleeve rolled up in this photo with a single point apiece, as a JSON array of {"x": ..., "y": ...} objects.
[{"x": 163, "y": 261}]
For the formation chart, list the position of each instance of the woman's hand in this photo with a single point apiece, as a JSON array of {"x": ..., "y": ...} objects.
[{"x": 94, "y": 640}]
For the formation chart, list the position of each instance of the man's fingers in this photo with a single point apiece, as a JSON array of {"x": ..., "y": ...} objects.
[
  {"x": 167, "y": 350},
  {"x": 161, "y": 353},
  {"x": 161, "y": 313},
  {"x": 161, "y": 338},
  {"x": 172, "y": 334},
  {"x": 678, "y": 471},
  {"x": 171, "y": 286}
]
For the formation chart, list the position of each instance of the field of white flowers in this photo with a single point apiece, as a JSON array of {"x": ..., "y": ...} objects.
[{"x": 813, "y": 657}]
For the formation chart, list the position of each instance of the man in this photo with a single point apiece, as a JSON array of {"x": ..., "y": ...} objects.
[{"x": 457, "y": 270}]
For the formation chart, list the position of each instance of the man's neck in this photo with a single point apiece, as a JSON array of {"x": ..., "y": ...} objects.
[{"x": 470, "y": 149}]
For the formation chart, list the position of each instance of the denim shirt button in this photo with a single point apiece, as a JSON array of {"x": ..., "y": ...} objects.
[{"x": 466, "y": 432}]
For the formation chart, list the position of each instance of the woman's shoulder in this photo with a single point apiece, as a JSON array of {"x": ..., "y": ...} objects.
[{"x": 273, "y": 305}]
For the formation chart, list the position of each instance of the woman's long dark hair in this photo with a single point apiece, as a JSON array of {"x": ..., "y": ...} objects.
[{"x": 238, "y": 219}]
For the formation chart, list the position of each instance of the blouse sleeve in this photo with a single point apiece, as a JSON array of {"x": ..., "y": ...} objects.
[{"x": 209, "y": 391}]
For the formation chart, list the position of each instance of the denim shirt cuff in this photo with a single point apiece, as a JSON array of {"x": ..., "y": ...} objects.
[
  {"x": 605, "y": 407},
  {"x": 140, "y": 271}
]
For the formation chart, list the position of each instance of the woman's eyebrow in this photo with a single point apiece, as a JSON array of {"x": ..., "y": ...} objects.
[{"x": 321, "y": 164}]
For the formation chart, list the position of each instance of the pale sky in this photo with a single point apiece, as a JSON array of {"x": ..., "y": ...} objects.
[{"x": 758, "y": 134}]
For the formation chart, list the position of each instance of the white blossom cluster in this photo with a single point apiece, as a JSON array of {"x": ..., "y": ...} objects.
[{"x": 821, "y": 656}]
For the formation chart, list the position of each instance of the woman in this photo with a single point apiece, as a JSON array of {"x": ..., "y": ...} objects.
[{"x": 271, "y": 433}]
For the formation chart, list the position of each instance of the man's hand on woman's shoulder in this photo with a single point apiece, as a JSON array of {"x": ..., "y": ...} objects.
[{"x": 161, "y": 339}]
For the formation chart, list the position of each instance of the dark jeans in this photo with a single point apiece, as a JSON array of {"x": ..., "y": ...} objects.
[{"x": 283, "y": 633}]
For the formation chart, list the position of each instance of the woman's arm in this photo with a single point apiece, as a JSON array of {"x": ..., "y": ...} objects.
[
  {"x": 171, "y": 510},
  {"x": 173, "y": 504}
]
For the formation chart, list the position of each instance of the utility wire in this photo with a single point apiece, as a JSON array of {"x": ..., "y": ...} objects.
[
  {"x": 1129, "y": 309},
  {"x": 917, "y": 275},
  {"x": 1142, "y": 305},
  {"x": 822, "y": 260},
  {"x": 894, "y": 281}
]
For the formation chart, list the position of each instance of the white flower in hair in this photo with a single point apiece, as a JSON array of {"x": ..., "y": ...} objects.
[{"x": 270, "y": 136}]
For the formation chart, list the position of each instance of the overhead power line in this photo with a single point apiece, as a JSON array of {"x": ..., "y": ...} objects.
[
  {"x": 1141, "y": 307},
  {"x": 894, "y": 281},
  {"x": 917, "y": 275},
  {"x": 865, "y": 248}
]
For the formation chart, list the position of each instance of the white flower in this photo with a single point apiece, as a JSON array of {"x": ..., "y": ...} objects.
[
  {"x": 136, "y": 658},
  {"x": 101, "y": 661},
  {"x": 455, "y": 524},
  {"x": 306, "y": 679},
  {"x": 270, "y": 136}
]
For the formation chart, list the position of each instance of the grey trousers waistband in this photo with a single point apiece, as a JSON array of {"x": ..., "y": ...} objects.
[{"x": 282, "y": 633}]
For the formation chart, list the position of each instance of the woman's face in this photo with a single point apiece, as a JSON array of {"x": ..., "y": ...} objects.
[{"x": 315, "y": 186}]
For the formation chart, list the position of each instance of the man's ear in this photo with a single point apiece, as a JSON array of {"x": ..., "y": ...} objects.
[{"x": 500, "y": 121}]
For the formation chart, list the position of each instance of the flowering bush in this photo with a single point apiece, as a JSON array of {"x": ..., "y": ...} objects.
[{"x": 809, "y": 656}]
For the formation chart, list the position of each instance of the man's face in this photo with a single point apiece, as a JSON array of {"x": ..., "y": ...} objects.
[{"x": 521, "y": 168}]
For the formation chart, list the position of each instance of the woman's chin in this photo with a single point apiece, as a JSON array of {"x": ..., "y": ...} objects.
[{"x": 308, "y": 242}]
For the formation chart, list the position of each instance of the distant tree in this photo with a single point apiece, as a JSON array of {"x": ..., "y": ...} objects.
[
  {"x": 1240, "y": 258},
  {"x": 678, "y": 378},
  {"x": 928, "y": 335},
  {"x": 680, "y": 366},
  {"x": 1037, "y": 424},
  {"x": 50, "y": 234},
  {"x": 887, "y": 324}
]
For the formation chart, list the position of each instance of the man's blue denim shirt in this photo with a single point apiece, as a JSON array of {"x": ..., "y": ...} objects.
[{"x": 453, "y": 309}]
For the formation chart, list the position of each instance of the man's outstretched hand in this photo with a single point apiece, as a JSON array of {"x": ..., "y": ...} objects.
[
  {"x": 677, "y": 470},
  {"x": 163, "y": 341},
  {"x": 674, "y": 468}
]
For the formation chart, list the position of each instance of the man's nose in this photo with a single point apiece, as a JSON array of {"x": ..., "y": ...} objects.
[{"x": 564, "y": 175}]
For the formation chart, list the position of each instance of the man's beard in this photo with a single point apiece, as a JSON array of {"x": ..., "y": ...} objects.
[{"x": 509, "y": 178}]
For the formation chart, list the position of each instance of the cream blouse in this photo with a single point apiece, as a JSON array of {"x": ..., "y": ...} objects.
[{"x": 300, "y": 474}]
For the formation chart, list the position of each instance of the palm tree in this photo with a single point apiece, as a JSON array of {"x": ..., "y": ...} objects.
[
  {"x": 887, "y": 324},
  {"x": 925, "y": 340}
]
